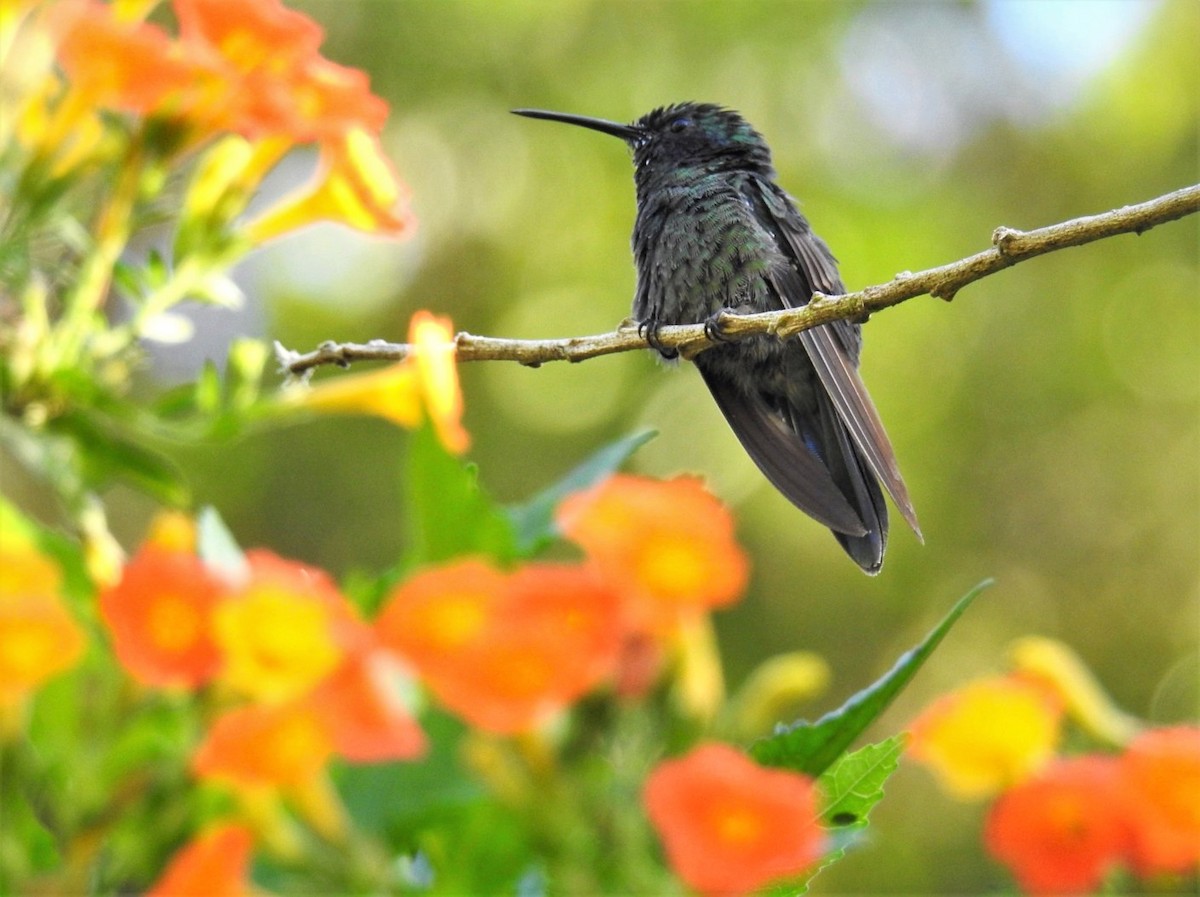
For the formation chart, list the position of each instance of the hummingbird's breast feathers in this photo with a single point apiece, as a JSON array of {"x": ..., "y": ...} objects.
[{"x": 700, "y": 248}]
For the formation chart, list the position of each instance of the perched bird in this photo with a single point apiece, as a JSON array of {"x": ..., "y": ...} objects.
[{"x": 715, "y": 232}]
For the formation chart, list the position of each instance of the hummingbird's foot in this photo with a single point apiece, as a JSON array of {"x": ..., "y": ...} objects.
[
  {"x": 714, "y": 326},
  {"x": 648, "y": 330}
]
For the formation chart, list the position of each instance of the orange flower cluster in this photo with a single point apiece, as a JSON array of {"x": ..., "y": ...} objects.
[
  {"x": 282, "y": 637},
  {"x": 730, "y": 826},
  {"x": 1066, "y": 829},
  {"x": 238, "y": 67},
  {"x": 504, "y": 649},
  {"x": 1063, "y": 824}
]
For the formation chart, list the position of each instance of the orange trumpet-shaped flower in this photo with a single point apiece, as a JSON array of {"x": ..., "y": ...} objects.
[
  {"x": 503, "y": 650},
  {"x": 284, "y": 629},
  {"x": 215, "y": 864},
  {"x": 730, "y": 826},
  {"x": 1161, "y": 771},
  {"x": 263, "y": 746},
  {"x": 669, "y": 545},
  {"x": 1062, "y": 831},
  {"x": 134, "y": 66},
  {"x": 160, "y": 617},
  {"x": 987, "y": 735},
  {"x": 362, "y": 707},
  {"x": 252, "y": 34},
  {"x": 424, "y": 383}
]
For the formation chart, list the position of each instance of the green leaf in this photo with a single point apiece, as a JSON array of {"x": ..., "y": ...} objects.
[
  {"x": 449, "y": 513},
  {"x": 852, "y": 787},
  {"x": 854, "y": 784},
  {"x": 106, "y": 454},
  {"x": 812, "y": 747},
  {"x": 534, "y": 520}
]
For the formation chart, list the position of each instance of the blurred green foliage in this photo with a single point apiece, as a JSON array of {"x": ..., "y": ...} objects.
[{"x": 1048, "y": 422}]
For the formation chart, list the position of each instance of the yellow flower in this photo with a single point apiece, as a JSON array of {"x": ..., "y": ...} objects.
[
  {"x": 38, "y": 637},
  {"x": 987, "y": 736},
  {"x": 356, "y": 186},
  {"x": 284, "y": 631},
  {"x": 426, "y": 382}
]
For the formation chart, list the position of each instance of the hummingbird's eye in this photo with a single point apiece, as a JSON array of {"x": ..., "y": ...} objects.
[{"x": 680, "y": 124}]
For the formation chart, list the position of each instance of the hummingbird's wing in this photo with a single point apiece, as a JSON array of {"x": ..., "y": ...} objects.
[
  {"x": 792, "y": 469},
  {"x": 833, "y": 348}
]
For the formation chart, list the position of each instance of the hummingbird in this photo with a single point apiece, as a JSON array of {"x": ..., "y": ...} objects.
[{"x": 714, "y": 233}]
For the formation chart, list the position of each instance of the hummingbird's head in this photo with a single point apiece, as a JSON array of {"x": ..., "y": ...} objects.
[{"x": 681, "y": 137}]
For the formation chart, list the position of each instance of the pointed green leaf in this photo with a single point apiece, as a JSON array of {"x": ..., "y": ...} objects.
[
  {"x": 534, "y": 520},
  {"x": 812, "y": 747},
  {"x": 449, "y": 513}
]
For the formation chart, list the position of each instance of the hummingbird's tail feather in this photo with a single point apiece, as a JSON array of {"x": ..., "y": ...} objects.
[
  {"x": 853, "y": 476},
  {"x": 857, "y": 412},
  {"x": 784, "y": 459}
]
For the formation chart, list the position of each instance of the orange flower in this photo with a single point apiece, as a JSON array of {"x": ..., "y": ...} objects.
[
  {"x": 160, "y": 618},
  {"x": 730, "y": 826},
  {"x": 362, "y": 707},
  {"x": 38, "y": 637},
  {"x": 427, "y": 379},
  {"x": 215, "y": 864},
  {"x": 987, "y": 735},
  {"x": 284, "y": 630},
  {"x": 499, "y": 649},
  {"x": 1161, "y": 769},
  {"x": 262, "y": 746},
  {"x": 1062, "y": 831},
  {"x": 285, "y": 86},
  {"x": 252, "y": 34},
  {"x": 134, "y": 66},
  {"x": 668, "y": 544}
]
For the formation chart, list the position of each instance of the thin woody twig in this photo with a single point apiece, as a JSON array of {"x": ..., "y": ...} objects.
[{"x": 1008, "y": 247}]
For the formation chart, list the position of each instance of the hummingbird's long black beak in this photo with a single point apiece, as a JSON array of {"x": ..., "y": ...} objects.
[{"x": 627, "y": 133}]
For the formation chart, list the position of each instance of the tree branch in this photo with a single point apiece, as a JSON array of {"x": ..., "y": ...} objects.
[{"x": 1008, "y": 247}]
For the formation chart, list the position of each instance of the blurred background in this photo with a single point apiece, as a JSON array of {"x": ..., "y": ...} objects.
[{"x": 1047, "y": 422}]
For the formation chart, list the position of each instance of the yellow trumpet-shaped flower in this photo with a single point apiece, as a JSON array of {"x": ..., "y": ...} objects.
[
  {"x": 356, "y": 186},
  {"x": 775, "y": 689},
  {"x": 1084, "y": 700},
  {"x": 426, "y": 382}
]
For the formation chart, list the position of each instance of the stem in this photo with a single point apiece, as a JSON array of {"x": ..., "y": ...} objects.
[
  {"x": 1009, "y": 247},
  {"x": 91, "y": 287}
]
